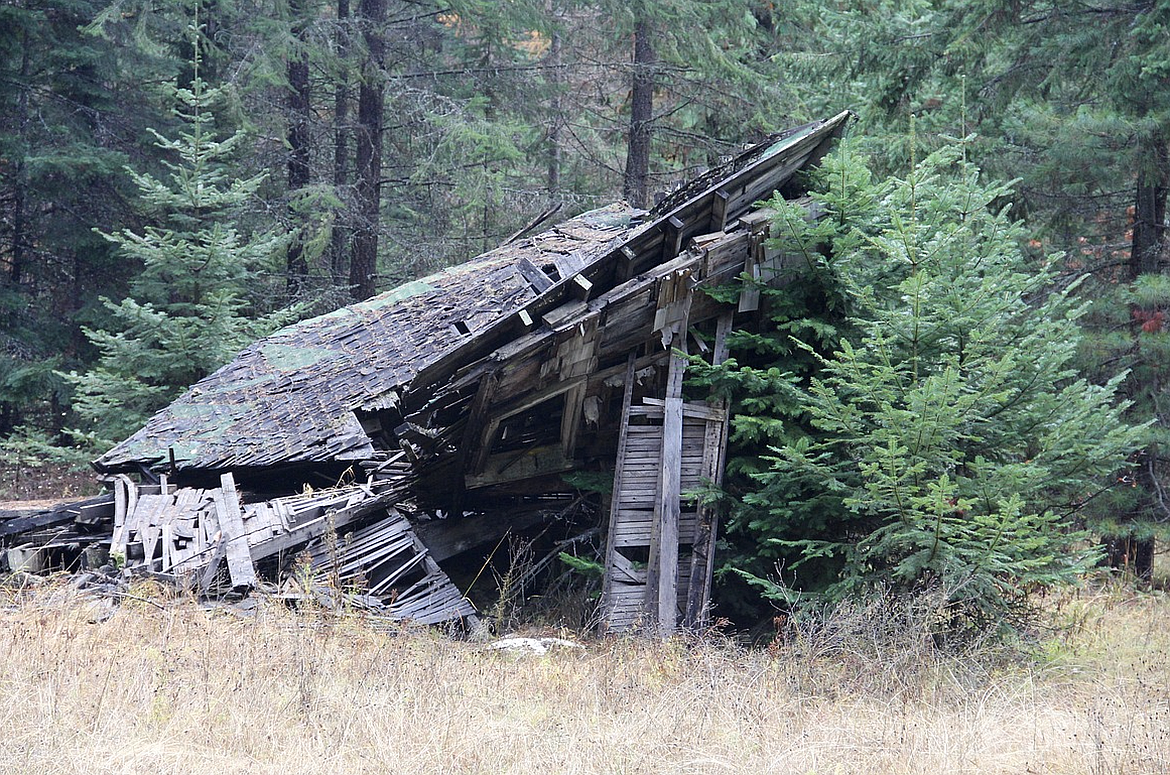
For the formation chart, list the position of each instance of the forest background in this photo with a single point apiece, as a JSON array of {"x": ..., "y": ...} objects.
[{"x": 177, "y": 178}]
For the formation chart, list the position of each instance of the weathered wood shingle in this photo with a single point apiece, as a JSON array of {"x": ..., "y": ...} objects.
[{"x": 289, "y": 398}]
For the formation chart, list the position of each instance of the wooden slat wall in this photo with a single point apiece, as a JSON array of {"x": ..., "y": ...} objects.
[{"x": 627, "y": 602}]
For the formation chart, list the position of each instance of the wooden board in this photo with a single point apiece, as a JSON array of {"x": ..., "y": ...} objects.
[{"x": 231, "y": 521}]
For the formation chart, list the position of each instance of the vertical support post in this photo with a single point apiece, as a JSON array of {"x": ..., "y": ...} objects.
[
  {"x": 662, "y": 577},
  {"x": 472, "y": 450},
  {"x": 578, "y": 358},
  {"x": 703, "y": 549},
  {"x": 477, "y": 419}
]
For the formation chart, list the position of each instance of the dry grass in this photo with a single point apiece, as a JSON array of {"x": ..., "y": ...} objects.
[{"x": 190, "y": 690}]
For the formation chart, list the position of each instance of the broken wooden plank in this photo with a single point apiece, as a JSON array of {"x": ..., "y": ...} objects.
[
  {"x": 715, "y": 451},
  {"x": 532, "y": 274},
  {"x": 218, "y": 550},
  {"x": 239, "y": 559},
  {"x": 122, "y": 487}
]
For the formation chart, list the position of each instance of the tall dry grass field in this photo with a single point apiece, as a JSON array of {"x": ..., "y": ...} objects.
[{"x": 189, "y": 690}]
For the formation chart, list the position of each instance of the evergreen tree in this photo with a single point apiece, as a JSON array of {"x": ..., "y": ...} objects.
[
  {"x": 190, "y": 308},
  {"x": 946, "y": 441},
  {"x": 1073, "y": 99},
  {"x": 67, "y": 123}
]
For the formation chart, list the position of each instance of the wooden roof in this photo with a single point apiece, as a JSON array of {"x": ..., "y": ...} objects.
[{"x": 295, "y": 396}]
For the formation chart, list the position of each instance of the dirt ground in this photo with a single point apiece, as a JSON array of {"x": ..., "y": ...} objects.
[{"x": 25, "y": 488}]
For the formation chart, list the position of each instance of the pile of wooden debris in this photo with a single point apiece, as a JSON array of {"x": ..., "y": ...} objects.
[{"x": 356, "y": 538}]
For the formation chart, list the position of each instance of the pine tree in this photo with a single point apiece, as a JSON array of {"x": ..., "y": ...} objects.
[
  {"x": 189, "y": 310},
  {"x": 946, "y": 441}
]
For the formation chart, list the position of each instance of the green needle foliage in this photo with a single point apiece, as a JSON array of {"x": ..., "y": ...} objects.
[
  {"x": 932, "y": 434},
  {"x": 191, "y": 307}
]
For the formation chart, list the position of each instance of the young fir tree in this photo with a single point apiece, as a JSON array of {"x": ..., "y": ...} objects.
[
  {"x": 1074, "y": 99},
  {"x": 190, "y": 308},
  {"x": 944, "y": 441}
]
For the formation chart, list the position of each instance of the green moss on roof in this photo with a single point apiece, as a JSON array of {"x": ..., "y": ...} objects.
[
  {"x": 607, "y": 218},
  {"x": 414, "y": 288},
  {"x": 243, "y": 384},
  {"x": 286, "y": 357},
  {"x": 195, "y": 412}
]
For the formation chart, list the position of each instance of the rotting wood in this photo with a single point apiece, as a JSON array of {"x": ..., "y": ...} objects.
[
  {"x": 662, "y": 585},
  {"x": 715, "y": 452},
  {"x": 539, "y": 281},
  {"x": 420, "y": 362},
  {"x": 607, "y": 605},
  {"x": 231, "y": 522}
]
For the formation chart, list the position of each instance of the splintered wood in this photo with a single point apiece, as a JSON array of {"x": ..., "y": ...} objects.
[
  {"x": 388, "y": 562},
  {"x": 190, "y": 533}
]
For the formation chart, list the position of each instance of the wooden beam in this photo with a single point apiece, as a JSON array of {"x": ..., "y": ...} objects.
[
  {"x": 667, "y": 509},
  {"x": 532, "y": 274},
  {"x": 672, "y": 237},
  {"x": 446, "y": 538},
  {"x": 625, "y": 264},
  {"x": 477, "y": 420},
  {"x": 518, "y": 465},
  {"x": 571, "y": 418},
  {"x": 514, "y": 407},
  {"x": 719, "y": 210},
  {"x": 24, "y": 524},
  {"x": 580, "y": 288},
  {"x": 655, "y": 408}
]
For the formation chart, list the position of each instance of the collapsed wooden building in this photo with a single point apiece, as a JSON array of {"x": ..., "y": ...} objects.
[{"x": 454, "y": 406}]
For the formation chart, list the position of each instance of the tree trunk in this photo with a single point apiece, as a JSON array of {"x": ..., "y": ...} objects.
[
  {"x": 554, "y": 129},
  {"x": 17, "y": 259},
  {"x": 1131, "y": 555},
  {"x": 1149, "y": 228},
  {"x": 363, "y": 266},
  {"x": 636, "y": 184},
  {"x": 1149, "y": 212},
  {"x": 339, "y": 236},
  {"x": 298, "y": 143}
]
